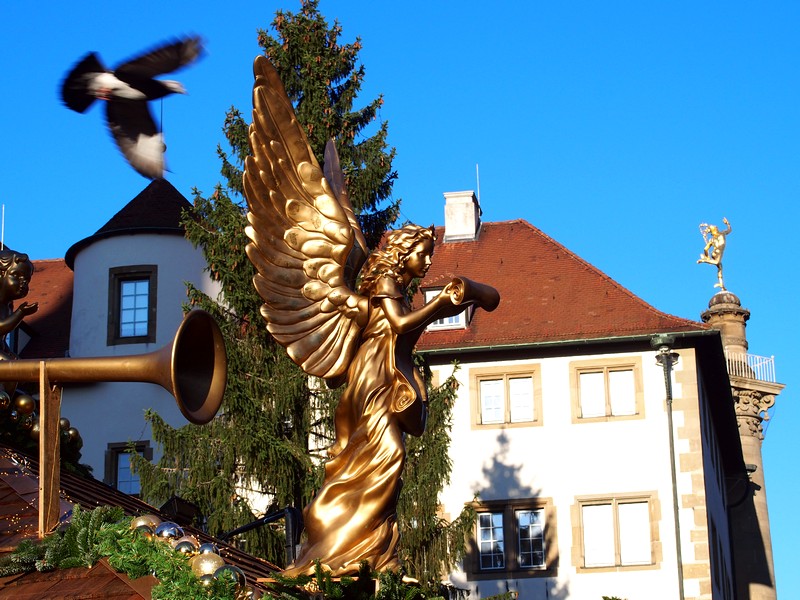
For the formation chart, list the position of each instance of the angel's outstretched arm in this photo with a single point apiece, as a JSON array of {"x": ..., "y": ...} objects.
[{"x": 403, "y": 322}]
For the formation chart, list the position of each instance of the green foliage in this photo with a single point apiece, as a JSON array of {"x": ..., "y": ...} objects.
[
  {"x": 322, "y": 78},
  {"x": 105, "y": 532},
  {"x": 430, "y": 545},
  {"x": 77, "y": 546},
  {"x": 389, "y": 584}
]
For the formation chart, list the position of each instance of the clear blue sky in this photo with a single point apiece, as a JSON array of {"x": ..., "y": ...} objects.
[{"x": 615, "y": 127}]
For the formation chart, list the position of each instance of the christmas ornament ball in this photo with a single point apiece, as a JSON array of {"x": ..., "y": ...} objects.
[
  {"x": 208, "y": 548},
  {"x": 232, "y": 573},
  {"x": 150, "y": 520},
  {"x": 206, "y": 564},
  {"x": 186, "y": 547},
  {"x": 24, "y": 404},
  {"x": 168, "y": 530}
]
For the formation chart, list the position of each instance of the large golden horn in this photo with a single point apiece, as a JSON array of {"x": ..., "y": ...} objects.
[{"x": 193, "y": 368}]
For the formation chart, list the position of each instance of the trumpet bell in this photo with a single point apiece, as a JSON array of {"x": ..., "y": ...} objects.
[
  {"x": 193, "y": 368},
  {"x": 199, "y": 367}
]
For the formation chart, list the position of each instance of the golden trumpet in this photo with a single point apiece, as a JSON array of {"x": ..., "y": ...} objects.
[{"x": 193, "y": 368}]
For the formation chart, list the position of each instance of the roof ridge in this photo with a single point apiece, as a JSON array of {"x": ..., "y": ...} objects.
[{"x": 592, "y": 268}]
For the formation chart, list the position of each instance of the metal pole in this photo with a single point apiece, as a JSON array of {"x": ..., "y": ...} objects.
[{"x": 666, "y": 359}]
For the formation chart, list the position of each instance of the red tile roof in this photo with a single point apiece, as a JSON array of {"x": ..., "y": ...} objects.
[
  {"x": 547, "y": 293},
  {"x": 51, "y": 287},
  {"x": 100, "y": 581}
]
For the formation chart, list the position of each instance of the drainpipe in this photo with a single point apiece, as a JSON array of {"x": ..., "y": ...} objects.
[{"x": 667, "y": 359}]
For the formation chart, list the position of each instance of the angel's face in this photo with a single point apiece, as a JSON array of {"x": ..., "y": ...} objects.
[
  {"x": 15, "y": 282},
  {"x": 418, "y": 260}
]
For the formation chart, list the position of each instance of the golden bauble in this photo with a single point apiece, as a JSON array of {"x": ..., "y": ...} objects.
[
  {"x": 24, "y": 404},
  {"x": 151, "y": 521},
  {"x": 206, "y": 580},
  {"x": 73, "y": 435},
  {"x": 35, "y": 429},
  {"x": 63, "y": 423},
  {"x": 206, "y": 564}
]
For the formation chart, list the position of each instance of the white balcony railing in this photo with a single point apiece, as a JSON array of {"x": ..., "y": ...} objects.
[{"x": 761, "y": 368}]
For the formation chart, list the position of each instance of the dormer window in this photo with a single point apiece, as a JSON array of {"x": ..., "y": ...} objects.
[{"x": 458, "y": 321}]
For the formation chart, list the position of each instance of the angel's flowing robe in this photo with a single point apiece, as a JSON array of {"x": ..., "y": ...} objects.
[{"x": 353, "y": 516}]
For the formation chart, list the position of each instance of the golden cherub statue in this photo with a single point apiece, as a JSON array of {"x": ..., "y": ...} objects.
[
  {"x": 714, "y": 248},
  {"x": 16, "y": 270},
  {"x": 309, "y": 251}
]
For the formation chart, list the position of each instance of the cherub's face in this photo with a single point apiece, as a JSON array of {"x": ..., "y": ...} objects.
[
  {"x": 16, "y": 280},
  {"x": 418, "y": 260}
]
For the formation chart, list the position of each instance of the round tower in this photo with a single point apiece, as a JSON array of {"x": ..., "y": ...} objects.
[{"x": 754, "y": 389}]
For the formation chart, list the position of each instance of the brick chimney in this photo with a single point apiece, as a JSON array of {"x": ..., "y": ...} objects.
[{"x": 462, "y": 216}]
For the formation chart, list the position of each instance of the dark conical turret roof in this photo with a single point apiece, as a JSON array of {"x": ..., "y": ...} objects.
[{"x": 156, "y": 209}]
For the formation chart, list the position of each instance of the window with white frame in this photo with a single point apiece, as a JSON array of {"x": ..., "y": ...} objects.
[
  {"x": 132, "y": 304},
  {"x": 510, "y": 539},
  {"x": 604, "y": 389},
  {"x": 506, "y": 395},
  {"x": 616, "y": 532},
  {"x": 458, "y": 321}
]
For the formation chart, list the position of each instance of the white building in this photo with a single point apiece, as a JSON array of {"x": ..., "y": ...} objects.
[
  {"x": 127, "y": 295},
  {"x": 561, "y": 433}
]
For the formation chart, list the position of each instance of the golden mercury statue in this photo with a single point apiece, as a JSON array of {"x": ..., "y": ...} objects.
[
  {"x": 714, "y": 248},
  {"x": 309, "y": 251}
]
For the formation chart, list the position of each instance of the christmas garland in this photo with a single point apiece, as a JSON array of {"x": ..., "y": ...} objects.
[
  {"x": 137, "y": 551},
  {"x": 105, "y": 532}
]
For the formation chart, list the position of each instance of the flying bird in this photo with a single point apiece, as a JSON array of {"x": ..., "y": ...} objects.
[{"x": 127, "y": 89}]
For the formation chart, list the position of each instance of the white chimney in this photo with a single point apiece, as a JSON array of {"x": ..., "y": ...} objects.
[{"x": 462, "y": 216}]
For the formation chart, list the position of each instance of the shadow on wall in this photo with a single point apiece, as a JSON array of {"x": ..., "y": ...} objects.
[{"x": 504, "y": 484}]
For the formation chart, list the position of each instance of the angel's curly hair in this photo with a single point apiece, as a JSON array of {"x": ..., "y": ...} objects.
[
  {"x": 9, "y": 257},
  {"x": 390, "y": 260}
]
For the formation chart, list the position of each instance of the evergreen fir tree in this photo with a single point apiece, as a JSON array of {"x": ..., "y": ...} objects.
[{"x": 274, "y": 428}]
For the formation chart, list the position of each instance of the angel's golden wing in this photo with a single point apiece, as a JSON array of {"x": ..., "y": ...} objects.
[{"x": 305, "y": 241}]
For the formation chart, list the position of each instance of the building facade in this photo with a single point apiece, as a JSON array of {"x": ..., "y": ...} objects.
[
  {"x": 128, "y": 287},
  {"x": 563, "y": 438},
  {"x": 595, "y": 469}
]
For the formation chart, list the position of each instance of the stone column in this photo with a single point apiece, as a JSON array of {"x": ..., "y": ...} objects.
[{"x": 752, "y": 543}]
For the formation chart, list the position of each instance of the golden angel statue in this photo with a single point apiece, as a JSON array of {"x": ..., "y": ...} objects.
[
  {"x": 714, "y": 248},
  {"x": 343, "y": 315}
]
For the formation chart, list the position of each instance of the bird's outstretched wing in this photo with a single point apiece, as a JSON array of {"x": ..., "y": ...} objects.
[
  {"x": 135, "y": 132},
  {"x": 163, "y": 59},
  {"x": 305, "y": 241}
]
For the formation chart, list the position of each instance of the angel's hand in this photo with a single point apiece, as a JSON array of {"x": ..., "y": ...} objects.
[
  {"x": 28, "y": 308},
  {"x": 449, "y": 289}
]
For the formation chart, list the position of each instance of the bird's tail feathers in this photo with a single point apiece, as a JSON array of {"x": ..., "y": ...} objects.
[{"x": 75, "y": 87}]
